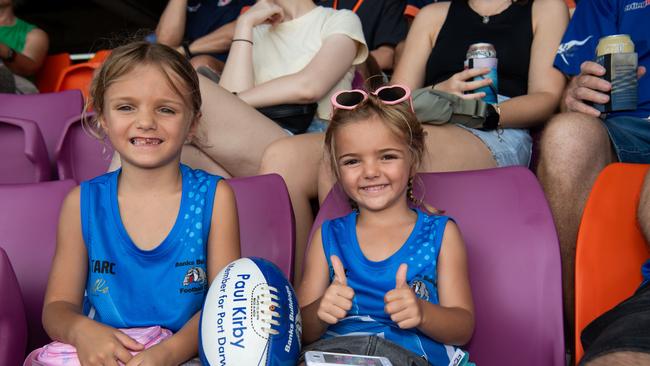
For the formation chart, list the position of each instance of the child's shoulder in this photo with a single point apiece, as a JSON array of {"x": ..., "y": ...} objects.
[{"x": 198, "y": 174}]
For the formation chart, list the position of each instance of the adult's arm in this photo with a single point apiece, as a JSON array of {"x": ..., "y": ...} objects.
[
  {"x": 545, "y": 83},
  {"x": 411, "y": 68},
  {"x": 217, "y": 41},
  {"x": 30, "y": 60},
  {"x": 312, "y": 82},
  {"x": 171, "y": 27},
  {"x": 391, "y": 29}
]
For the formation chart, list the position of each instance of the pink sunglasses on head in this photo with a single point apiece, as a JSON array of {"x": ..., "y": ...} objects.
[{"x": 389, "y": 94}]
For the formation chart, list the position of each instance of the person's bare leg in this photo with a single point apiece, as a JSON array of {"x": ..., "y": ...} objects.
[
  {"x": 193, "y": 157},
  {"x": 574, "y": 149},
  {"x": 451, "y": 148},
  {"x": 297, "y": 159},
  {"x": 235, "y": 134},
  {"x": 644, "y": 208},
  {"x": 621, "y": 359}
]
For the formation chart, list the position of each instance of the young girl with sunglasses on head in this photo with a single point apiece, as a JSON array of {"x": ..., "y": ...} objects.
[
  {"x": 143, "y": 242},
  {"x": 386, "y": 279}
]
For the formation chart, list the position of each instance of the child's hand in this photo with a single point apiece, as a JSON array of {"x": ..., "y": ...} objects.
[
  {"x": 99, "y": 344},
  {"x": 402, "y": 305},
  {"x": 337, "y": 300},
  {"x": 157, "y": 355}
]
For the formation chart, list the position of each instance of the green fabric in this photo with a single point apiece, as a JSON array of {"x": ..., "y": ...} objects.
[{"x": 15, "y": 35}]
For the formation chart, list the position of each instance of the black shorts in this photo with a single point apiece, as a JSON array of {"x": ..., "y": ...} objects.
[
  {"x": 367, "y": 346},
  {"x": 626, "y": 327}
]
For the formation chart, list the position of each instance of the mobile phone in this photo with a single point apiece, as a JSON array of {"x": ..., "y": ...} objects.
[{"x": 317, "y": 358}]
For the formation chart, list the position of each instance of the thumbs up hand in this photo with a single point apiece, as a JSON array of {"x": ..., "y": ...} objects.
[
  {"x": 337, "y": 299},
  {"x": 401, "y": 303}
]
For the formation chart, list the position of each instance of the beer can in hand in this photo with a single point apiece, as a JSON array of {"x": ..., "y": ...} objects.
[
  {"x": 481, "y": 55},
  {"x": 616, "y": 54}
]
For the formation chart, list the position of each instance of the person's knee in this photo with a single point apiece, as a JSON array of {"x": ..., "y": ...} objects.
[
  {"x": 572, "y": 142},
  {"x": 278, "y": 157},
  {"x": 621, "y": 359},
  {"x": 644, "y": 207}
]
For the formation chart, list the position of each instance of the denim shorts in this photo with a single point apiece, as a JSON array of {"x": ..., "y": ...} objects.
[
  {"x": 509, "y": 146},
  {"x": 626, "y": 327},
  {"x": 317, "y": 125},
  {"x": 367, "y": 346},
  {"x": 630, "y": 137}
]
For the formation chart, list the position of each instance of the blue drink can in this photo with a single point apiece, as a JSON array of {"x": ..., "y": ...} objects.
[{"x": 481, "y": 55}]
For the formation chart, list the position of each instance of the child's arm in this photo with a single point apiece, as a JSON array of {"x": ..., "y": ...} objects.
[
  {"x": 451, "y": 322},
  {"x": 223, "y": 248},
  {"x": 322, "y": 303},
  {"x": 62, "y": 316}
]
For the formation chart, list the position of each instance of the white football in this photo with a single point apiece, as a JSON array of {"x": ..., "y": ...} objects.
[{"x": 250, "y": 317}]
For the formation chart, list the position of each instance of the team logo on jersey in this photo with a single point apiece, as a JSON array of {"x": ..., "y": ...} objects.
[
  {"x": 195, "y": 275},
  {"x": 420, "y": 289},
  {"x": 567, "y": 49},
  {"x": 99, "y": 287},
  {"x": 637, "y": 5}
]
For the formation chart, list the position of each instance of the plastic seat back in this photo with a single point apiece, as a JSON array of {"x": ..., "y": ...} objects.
[
  {"x": 24, "y": 156},
  {"x": 79, "y": 155},
  {"x": 514, "y": 261},
  {"x": 78, "y": 76},
  {"x": 29, "y": 216},
  {"x": 48, "y": 76},
  {"x": 100, "y": 56},
  {"x": 51, "y": 111},
  {"x": 266, "y": 222},
  {"x": 13, "y": 324},
  {"x": 610, "y": 248}
]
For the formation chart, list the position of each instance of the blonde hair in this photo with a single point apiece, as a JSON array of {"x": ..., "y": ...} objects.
[{"x": 177, "y": 70}]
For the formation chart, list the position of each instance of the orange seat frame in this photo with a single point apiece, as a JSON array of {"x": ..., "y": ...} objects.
[{"x": 611, "y": 248}]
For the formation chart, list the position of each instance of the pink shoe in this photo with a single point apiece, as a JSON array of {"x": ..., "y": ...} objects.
[{"x": 61, "y": 354}]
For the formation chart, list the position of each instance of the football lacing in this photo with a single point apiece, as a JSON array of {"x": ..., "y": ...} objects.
[{"x": 269, "y": 302}]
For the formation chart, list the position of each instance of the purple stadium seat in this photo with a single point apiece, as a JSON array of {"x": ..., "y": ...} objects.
[
  {"x": 13, "y": 325},
  {"x": 79, "y": 155},
  {"x": 50, "y": 111},
  {"x": 266, "y": 223},
  {"x": 29, "y": 215},
  {"x": 514, "y": 261},
  {"x": 23, "y": 157}
]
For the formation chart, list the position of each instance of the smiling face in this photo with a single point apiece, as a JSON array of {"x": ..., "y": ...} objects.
[
  {"x": 145, "y": 118},
  {"x": 373, "y": 164}
]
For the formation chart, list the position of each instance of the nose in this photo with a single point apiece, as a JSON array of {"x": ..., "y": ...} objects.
[
  {"x": 145, "y": 120},
  {"x": 370, "y": 170}
]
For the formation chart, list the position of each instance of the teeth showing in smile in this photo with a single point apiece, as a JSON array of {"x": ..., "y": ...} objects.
[
  {"x": 142, "y": 141},
  {"x": 374, "y": 188}
]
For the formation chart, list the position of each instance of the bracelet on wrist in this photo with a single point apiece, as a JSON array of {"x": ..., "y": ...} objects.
[{"x": 242, "y": 40}]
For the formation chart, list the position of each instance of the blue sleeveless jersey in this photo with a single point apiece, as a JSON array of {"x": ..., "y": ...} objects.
[
  {"x": 130, "y": 287},
  {"x": 372, "y": 280}
]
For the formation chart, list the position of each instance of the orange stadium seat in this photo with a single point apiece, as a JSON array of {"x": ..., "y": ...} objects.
[
  {"x": 100, "y": 56},
  {"x": 78, "y": 76},
  {"x": 611, "y": 248},
  {"x": 48, "y": 76}
]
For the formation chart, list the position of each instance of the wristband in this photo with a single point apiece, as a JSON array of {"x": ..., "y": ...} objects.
[{"x": 242, "y": 40}]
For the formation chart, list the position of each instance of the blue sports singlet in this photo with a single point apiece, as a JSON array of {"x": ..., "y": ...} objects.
[
  {"x": 129, "y": 287},
  {"x": 371, "y": 280}
]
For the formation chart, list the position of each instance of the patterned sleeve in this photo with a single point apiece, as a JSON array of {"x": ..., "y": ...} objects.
[{"x": 592, "y": 20}]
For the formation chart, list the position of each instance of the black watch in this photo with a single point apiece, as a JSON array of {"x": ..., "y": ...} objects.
[
  {"x": 11, "y": 55},
  {"x": 491, "y": 118}
]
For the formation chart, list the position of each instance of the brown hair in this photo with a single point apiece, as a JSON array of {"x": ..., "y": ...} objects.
[
  {"x": 399, "y": 118},
  {"x": 177, "y": 70}
]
